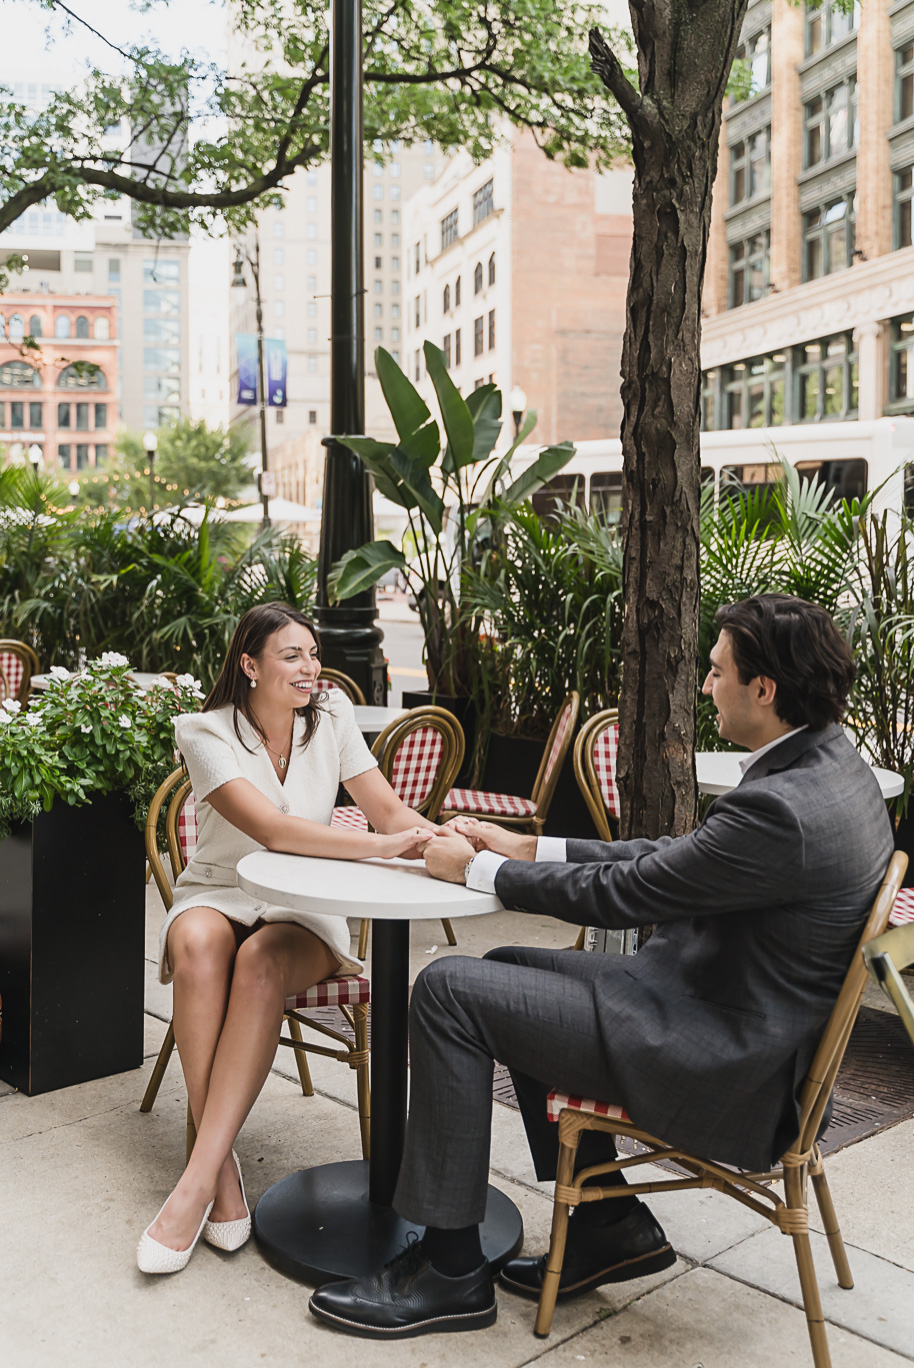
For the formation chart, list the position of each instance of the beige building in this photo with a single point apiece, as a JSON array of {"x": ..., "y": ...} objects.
[
  {"x": 809, "y": 293},
  {"x": 517, "y": 268}
]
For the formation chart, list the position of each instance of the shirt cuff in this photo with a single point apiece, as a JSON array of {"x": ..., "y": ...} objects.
[
  {"x": 551, "y": 850},
  {"x": 483, "y": 869}
]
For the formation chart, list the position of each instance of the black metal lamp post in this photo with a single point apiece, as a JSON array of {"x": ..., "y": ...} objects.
[
  {"x": 350, "y": 636},
  {"x": 238, "y": 281}
]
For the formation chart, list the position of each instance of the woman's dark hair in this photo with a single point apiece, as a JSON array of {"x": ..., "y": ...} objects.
[
  {"x": 250, "y": 637},
  {"x": 796, "y": 644}
]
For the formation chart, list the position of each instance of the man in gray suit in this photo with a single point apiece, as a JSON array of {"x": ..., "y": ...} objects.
[{"x": 704, "y": 1037}]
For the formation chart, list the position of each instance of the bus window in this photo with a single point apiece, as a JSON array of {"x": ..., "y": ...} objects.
[
  {"x": 706, "y": 476},
  {"x": 738, "y": 482},
  {"x": 606, "y": 494},
  {"x": 846, "y": 478},
  {"x": 909, "y": 490},
  {"x": 559, "y": 492}
]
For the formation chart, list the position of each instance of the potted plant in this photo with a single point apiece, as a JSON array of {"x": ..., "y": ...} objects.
[
  {"x": 77, "y": 772},
  {"x": 453, "y": 490}
]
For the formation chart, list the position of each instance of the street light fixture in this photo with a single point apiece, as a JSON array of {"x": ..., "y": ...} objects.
[
  {"x": 151, "y": 446},
  {"x": 73, "y": 488},
  {"x": 239, "y": 282},
  {"x": 518, "y": 402},
  {"x": 35, "y": 456}
]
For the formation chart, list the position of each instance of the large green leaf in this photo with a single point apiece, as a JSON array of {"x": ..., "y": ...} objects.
[
  {"x": 417, "y": 480},
  {"x": 423, "y": 446},
  {"x": 359, "y": 570},
  {"x": 376, "y": 459},
  {"x": 458, "y": 421},
  {"x": 407, "y": 407},
  {"x": 501, "y": 466},
  {"x": 548, "y": 463},
  {"x": 485, "y": 409}
]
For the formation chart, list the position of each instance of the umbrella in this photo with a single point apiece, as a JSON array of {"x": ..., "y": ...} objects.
[{"x": 281, "y": 511}]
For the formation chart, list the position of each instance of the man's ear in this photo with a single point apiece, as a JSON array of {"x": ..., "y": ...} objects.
[{"x": 766, "y": 691}]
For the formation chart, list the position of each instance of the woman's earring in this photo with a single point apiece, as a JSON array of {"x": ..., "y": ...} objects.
[{"x": 253, "y": 682}]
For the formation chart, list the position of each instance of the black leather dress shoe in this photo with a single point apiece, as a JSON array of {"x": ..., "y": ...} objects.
[
  {"x": 408, "y": 1297},
  {"x": 595, "y": 1255}
]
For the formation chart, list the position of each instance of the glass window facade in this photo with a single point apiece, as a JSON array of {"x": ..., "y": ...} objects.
[
  {"x": 166, "y": 270},
  {"x": 828, "y": 237},
  {"x": 831, "y": 122},
  {"x": 483, "y": 204},
  {"x": 449, "y": 229},
  {"x": 755, "y": 53},
  {"x": 904, "y": 82},
  {"x": 827, "y": 22},
  {"x": 750, "y": 167},
  {"x": 901, "y": 372},
  {"x": 815, "y": 382},
  {"x": 749, "y": 269},
  {"x": 904, "y": 192},
  {"x": 477, "y": 336}
]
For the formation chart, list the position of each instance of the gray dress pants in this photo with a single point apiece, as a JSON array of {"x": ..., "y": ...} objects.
[{"x": 532, "y": 1010}]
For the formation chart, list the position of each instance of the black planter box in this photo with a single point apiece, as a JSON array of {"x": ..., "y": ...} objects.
[
  {"x": 465, "y": 712},
  {"x": 511, "y": 767},
  {"x": 72, "y": 914}
]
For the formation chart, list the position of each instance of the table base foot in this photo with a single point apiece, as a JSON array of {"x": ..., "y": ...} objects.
[{"x": 318, "y": 1226}]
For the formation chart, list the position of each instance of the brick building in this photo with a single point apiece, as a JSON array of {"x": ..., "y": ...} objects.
[
  {"x": 518, "y": 269},
  {"x": 53, "y": 410}
]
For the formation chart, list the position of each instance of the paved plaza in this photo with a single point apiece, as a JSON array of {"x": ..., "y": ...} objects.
[{"x": 82, "y": 1172}]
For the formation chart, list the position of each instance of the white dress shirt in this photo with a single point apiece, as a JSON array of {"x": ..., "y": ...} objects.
[
  {"x": 748, "y": 760},
  {"x": 485, "y": 865}
]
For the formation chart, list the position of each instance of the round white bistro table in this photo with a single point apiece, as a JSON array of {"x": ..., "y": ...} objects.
[
  {"x": 336, "y": 1220},
  {"x": 719, "y": 772},
  {"x": 370, "y": 719}
]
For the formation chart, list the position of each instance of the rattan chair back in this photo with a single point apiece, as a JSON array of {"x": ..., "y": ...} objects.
[
  {"x": 885, "y": 957},
  {"x": 18, "y": 662},
  {"x": 335, "y": 679},
  {"x": 560, "y": 737},
  {"x": 173, "y": 792},
  {"x": 420, "y": 757},
  {"x": 595, "y": 768}
]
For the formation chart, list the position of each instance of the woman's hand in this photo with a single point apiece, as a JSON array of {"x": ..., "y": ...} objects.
[
  {"x": 488, "y": 836},
  {"x": 446, "y": 856},
  {"x": 408, "y": 844}
]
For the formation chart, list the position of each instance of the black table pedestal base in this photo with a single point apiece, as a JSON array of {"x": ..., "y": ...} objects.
[{"x": 319, "y": 1226}]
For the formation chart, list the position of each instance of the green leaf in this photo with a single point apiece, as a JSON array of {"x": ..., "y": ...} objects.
[
  {"x": 407, "y": 407},
  {"x": 418, "y": 481},
  {"x": 423, "y": 446},
  {"x": 548, "y": 463},
  {"x": 503, "y": 465},
  {"x": 458, "y": 421},
  {"x": 359, "y": 570},
  {"x": 376, "y": 459},
  {"x": 485, "y": 409}
]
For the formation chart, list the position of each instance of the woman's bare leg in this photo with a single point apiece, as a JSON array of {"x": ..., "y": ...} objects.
[{"x": 272, "y": 963}]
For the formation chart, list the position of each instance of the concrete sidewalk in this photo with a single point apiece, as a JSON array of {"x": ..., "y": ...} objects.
[{"x": 82, "y": 1172}]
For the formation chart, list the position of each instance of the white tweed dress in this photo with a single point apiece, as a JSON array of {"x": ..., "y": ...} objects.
[{"x": 214, "y": 755}]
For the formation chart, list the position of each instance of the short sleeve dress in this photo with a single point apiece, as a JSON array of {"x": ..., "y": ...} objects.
[{"x": 214, "y": 755}]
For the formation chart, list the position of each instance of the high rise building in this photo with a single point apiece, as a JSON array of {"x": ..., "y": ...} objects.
[
  {"x": 517, "y": 269},
  {"x": 809, "y": 292}
]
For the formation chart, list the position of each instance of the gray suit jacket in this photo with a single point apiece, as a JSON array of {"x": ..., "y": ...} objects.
[{"x": 712, "y": 1027}]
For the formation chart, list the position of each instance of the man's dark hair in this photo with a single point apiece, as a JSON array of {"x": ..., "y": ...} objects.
[{"x": 796, "y": 644}]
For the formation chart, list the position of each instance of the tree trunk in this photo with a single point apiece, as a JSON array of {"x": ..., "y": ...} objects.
[{"x": 685, "y": 51}]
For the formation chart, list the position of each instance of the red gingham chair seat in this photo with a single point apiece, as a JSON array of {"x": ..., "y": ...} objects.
[
  {"x": 351, "y": 817},
  {"x": 557, "y": 743},
  {"x": 345, "y": 991},
  {"x": 489, "y": 804},
  {"x": 605, "y": 753},
  {"x": 903, "y": 911},
  {"x": 326, "y": 685},
  {"x": 415, "y": 765},
  {"x": 556, "y": 1102},
  {"x": 13, "y": 669},
  {"x": 187, "y": 828}
]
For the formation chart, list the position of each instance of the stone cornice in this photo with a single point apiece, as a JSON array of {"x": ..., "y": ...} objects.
[{"x": 869, "y": 292}]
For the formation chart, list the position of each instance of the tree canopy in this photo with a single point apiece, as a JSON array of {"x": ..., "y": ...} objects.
[{"x": 207, "y": 143}]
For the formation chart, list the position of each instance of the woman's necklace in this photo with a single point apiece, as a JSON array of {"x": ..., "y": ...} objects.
[{"x": 279, "y": 754}]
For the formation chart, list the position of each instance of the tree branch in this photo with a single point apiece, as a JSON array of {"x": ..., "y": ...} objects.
[{"x": 607, "y": 66}]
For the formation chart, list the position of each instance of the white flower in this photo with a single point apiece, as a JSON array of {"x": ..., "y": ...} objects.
[
  {"x": 33, "y": 719},
  {"x": 114, "y": 658},
  {"x": 124, "y": 722},
  {"x": 158, "y": 683},
  {"x": 187, "y": 681},
  {"x": 4, "y": 718},
  {"x": 12, "y": 705},
  {"x": 59, "y": 672},
  {"x": 85, "y": 729}
]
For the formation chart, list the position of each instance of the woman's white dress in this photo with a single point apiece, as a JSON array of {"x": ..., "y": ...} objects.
[{"x": 214, "y": 755}]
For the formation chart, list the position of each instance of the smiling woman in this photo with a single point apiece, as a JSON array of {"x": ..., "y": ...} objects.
[{"x": 265, "y": 757}]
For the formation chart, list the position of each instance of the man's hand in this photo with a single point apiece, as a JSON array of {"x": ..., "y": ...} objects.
[
  {"x": 446, "y": 856},
  {"x": 488, "y": 836}
]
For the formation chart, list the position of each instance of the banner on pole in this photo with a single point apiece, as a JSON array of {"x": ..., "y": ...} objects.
[
  {"x": 246, "y": 345},
  {"x": 276, "y": 365}
]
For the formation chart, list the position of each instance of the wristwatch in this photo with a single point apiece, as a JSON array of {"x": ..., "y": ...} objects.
[{"x": 469, "y": 866}]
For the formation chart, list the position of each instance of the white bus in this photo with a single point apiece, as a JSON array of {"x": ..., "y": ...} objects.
[{"x": 850, "y": 458}]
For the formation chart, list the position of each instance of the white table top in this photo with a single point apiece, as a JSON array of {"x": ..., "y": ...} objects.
[
  {"x": 142, "y": 679},
  {"x": 384, "y": 890},
  {"x": 373, "y": 719},
  {"x": 719, "y": 772}
]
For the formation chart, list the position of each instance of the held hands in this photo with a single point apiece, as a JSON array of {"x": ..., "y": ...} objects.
[
  {"x": 446, "y": 855},
  {"x": 408, "y": 844},
  {"x": 488, "y": 836}
]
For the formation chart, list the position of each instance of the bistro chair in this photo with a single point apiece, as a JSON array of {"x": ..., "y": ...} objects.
[
  {"x": 419, "y": 755},
  {"x": 18, "y": 662},
  {"x": 350, "y": 993},
  {"x": 595, "y": 752},
  {"x": 801, "y": 1162},
  {"x": 335, "y": 679},
  {"x": 509, "y": 810},
  {"x": 885, "y": 958}
]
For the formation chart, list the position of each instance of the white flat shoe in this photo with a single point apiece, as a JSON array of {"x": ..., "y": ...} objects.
[
  {"x": 152, "y": 1257},
  {"x": 230, "y": 1235}
]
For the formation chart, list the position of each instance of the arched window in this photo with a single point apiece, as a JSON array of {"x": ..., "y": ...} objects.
[
  {"x": 17, "y": 328},
  {"x": 82, "y": 326},
  {"x": 62, "y": 326},
  {"x": 102, "y": 329},
  {"x": 477, "y": 278},
  {"x": 492, "y": 269},
  {"x": 457, "y": 293},
  {"x": 19, "y": 375},
  {"x": 446, "y": 304},
  {"x": 34, "y": 326},
  {"x": 82, "y": 375}
]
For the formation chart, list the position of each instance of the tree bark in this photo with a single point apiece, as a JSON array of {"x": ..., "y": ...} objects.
[{"x": 685, "y": 51}]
